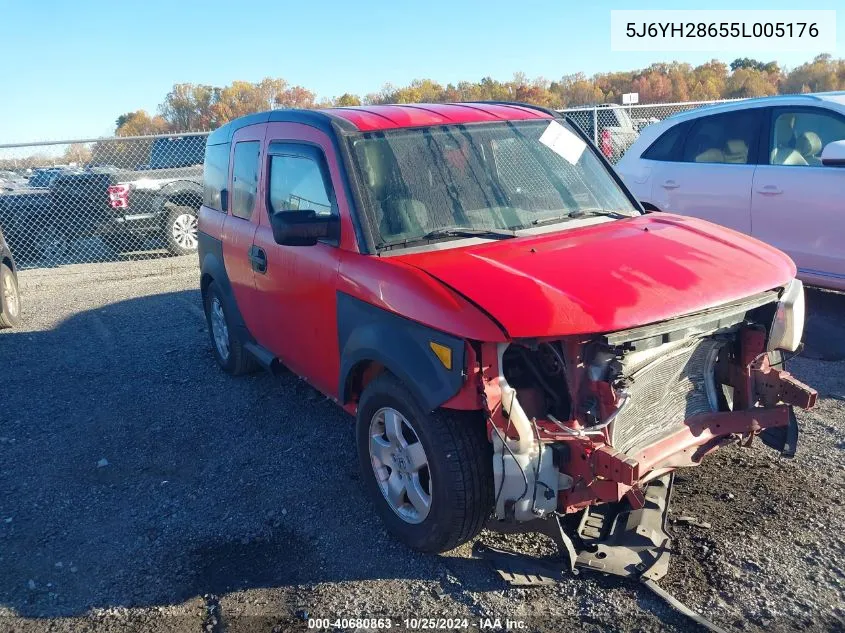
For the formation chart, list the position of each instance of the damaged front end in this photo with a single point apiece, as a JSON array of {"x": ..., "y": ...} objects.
[{"x": 597, "y": 424}]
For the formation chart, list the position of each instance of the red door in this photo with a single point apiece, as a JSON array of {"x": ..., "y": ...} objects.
[
  {"x": 297, "y": 297},
  {"x": 242, "y": 218}
]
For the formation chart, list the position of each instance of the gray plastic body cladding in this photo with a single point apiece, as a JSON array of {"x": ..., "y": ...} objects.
[
  {"x": 210, "y": 251},
  {"x": 369, "y": 333}
]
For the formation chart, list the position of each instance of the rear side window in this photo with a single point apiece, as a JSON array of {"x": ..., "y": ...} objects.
[
  {"x": 729, "y": 138},
  {"x": 668, "y": 145},
  {"x": 245, "y": 178},
  {"x": 214, "y": 175},
  {"x": 180, "y": 151},
  {"x": 297, "y": 183}
]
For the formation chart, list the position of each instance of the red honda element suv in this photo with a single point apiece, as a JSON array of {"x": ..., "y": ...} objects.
[{"x": 517, "y": 340}]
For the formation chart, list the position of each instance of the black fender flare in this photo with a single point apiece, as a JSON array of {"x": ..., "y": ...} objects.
[
  {"x": 367, "y": 333},
  {"x": 175, "y": 189},
  {"x": 211, "y": 266}
]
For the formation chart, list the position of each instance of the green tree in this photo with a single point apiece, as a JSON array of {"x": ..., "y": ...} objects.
[
  {"x": 139, "y": 123},
  {"x": 187, "y": 107},
  {"x": 749, "y": 82},
  {"x": 822, "y": 74},
  {"x": 347, "y": 99},
  {"x": 576, "y": 90},
  {"x": 196, "y": 107},
  {"x": 708, "y": 81},
  {"x": 295, "y": 97},
  {"x": 77, "y": 153}
]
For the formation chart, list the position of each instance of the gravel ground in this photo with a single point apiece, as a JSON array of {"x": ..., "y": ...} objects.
[{"x": 143, "y": 489}]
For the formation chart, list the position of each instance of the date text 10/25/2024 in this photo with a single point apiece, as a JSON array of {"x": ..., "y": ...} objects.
[{"x": 417, "y": 624}]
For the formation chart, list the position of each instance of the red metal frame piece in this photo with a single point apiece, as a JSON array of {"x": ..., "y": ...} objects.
[
  {"x": 763, "y": 397},
  {"x": 603, "y": 474}
]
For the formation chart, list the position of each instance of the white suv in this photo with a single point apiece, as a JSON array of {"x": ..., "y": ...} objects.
[{"x": 772, "y": 167}]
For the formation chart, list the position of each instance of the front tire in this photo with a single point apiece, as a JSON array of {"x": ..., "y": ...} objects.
[
  {"x": 180, "y": 230},
  {"x": 10, "y": 298},
  {"x": 429, "y": 475},
  {"x": 225, "y": 343}
]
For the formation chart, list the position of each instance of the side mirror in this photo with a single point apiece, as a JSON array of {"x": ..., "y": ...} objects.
[
  {"x": 303, "y": 228},
  {"x": 833, "y": 154}
]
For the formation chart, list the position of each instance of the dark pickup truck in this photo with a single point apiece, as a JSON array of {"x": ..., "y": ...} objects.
[
  {"x": 159, "y": 198},
  {"x": 23, "y": 213}
]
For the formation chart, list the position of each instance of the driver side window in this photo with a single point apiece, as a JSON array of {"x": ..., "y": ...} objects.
[
  {"x": 798, "y": 137},
  {"x": 297, "y": 184}
]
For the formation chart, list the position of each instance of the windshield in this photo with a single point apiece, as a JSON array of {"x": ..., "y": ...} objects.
[
  {"x": 499, "y": 176},
  {"x": 43, "y": 177},
  {"x": 182, "y": 151}
]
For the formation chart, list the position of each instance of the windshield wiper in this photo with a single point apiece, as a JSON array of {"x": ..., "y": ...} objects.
[
  {"x": 452, "y": 231},
  {"x": 579, "y": 213},
  {"x": 466, "y": 231}
]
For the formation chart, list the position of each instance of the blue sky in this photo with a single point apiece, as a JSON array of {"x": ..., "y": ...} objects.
[{"x": 71, "y": 67}]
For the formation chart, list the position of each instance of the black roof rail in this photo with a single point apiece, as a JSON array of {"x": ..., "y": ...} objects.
[
  {"x": 321, "y": 119},
  {"x": 519, "y": 104}
]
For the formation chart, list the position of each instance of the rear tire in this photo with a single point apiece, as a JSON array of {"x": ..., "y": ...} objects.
[
  {"x": 180, "y": 230},
  {"x": 10, "y": 298},
  {"x": 225, "y": 343},
  {"x": 457, "y": 478}
]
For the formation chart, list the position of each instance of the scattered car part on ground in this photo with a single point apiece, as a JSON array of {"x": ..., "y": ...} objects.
[
  {"x": 765, "y": 159},
  {"x": 474, "y": 283}
]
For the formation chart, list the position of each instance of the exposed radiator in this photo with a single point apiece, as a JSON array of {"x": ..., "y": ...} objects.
[{"x": 663, "y": 393}]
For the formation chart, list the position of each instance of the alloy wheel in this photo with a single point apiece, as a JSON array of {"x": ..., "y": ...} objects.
[
  {"x": 219, "y": 329},
  {"x": 10, "y": 296},
  {"x": 184, "y": 231},
  {"x": 400, "y": 465}
]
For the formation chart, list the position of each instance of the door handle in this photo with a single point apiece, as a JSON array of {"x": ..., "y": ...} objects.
[
  {"x": 770, "y": 190},
  {"x": 670, "y": 184},
  {"x": 258, "y": 259}
]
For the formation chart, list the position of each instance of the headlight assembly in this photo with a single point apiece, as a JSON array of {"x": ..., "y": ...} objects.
[{"x": 788, "y": 324}]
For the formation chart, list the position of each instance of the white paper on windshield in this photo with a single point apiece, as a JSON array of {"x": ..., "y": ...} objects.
[{"x": 563, "y": 142}]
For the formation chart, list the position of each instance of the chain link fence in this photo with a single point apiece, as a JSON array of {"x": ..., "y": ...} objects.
[
  {"x": 614, "y": 128},
  {"x": 97, "y": 200},
  {"x": 113, "y": 199}
]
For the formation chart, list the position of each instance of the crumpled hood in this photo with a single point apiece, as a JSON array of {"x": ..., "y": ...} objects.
[{"x": 609, "y": 276}]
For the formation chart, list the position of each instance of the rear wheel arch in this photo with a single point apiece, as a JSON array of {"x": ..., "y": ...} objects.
[
  {"x": 213, "y": 271},
  {"x": 205, "y": 282},
  {"x": 181, "y": 193},
  {"x": 230, "y": 354},
  {"x": 191, "y": 199}
]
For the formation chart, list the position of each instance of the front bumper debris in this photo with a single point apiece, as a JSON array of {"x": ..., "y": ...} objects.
[
  {"x": 622, "y": 540},
  {"x": 616, "y": 539}
]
